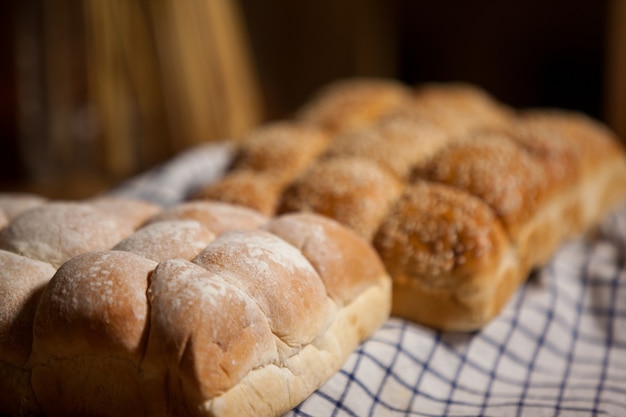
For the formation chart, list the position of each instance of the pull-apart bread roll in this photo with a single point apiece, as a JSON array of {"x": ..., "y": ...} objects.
[
  {"x": 22, "y": 281},
  {"x": 461, "y": 195},
  {"x": 56, "y": 231},
  {"x": 206, "y": 309},
  {"x": 351, "y": 104}
]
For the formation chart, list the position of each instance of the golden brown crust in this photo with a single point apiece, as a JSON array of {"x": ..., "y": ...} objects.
[
  {"x": 355, "y": 191},
  {"x": 321, "y": 240},
  {"x": 207, "y": 332},
  {"x": 275, "y": 275},
  {"x": 566, "y": 139},
  {"x": 259, "y": 191},
  {"x": 283, "y": 149},
  {"x": 459, "y": 108},
  {"x": 494, "y": 168},
  {"x": 354, "y": 103},
  {"x": 440, "y": 235},
  {"x": 397, "y": 143},
  {"x": 90, "y": 335}
]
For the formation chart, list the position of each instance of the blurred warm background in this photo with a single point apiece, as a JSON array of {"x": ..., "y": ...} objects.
[{"x": 95, "y": 91}]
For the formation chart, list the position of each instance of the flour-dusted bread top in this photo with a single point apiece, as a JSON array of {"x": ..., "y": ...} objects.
[
  {"x": 355, "y": 191},
  {"x": 90, "y": 334},
  {"x": 278, "y": 277},
  {"x": 321, "y": 241},
  {"x": 175, "y": 319},
  {"x": 22, "y": 281},
  {"x": 218, "y": 217},
  {"x": 282, "y": 148},
  {"x": 174, "y": 239},
  {"x": 57, "y": 231},
  {"x": 207, "y": 333}
]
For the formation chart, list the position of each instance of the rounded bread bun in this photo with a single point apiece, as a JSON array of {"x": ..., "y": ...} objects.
[
  {"x": 175, "y": 239},
  {"x": 567, "y": 139},
  {"x": 90, "y": 336},
  {"x": 282, "y": 148},
  {"x": 354, "y": 191},
  {"x": 496, "y": 169},
  {"x": 447, "y": 247},
  {"x": 218, "y": 217},
  {"x": 259, "y": 191},
  {"x": 13, "y": 204},
  {"x": 205, "y": 333},
  {"x": 354, "y": 103},
  {"x": 22, "y": 281},
  {"x": 321, "y": 241},
  {"x": 397, "y": 143},
  {"x": 57, "y": 231},
  {"x": 459, "y": 108},
  {"x": 277, "y": 276}
]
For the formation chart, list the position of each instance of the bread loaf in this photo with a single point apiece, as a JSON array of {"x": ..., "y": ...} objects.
[
  {"x": 205, "y": 309},
  {"x": 461, "y": 195}
]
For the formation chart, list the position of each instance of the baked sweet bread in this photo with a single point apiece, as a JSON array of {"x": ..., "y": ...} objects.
[
  {"x": 201, "y": 309},
  {"x": 462, "y": 195}
]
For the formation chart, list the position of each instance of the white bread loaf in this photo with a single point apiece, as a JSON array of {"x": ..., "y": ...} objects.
[
  {"x": 181, "y": 317},
  {"x": 461, "y": 195}
]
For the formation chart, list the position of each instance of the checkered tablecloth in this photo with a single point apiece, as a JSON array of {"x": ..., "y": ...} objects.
[{"x": 557, "y": 349}]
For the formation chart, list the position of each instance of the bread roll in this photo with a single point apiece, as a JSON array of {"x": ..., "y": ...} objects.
[
  {"x": 283, "y": 149},
  {"x": 90, "y": 334},
  {"x": 159, "y": 241},
  {"x": 321, "y": 241},
  {"x": 22, "y": 281},
  {"x": 259, "y": 191},
  {"x": 206, "y": 335},
  {"x": 57, "y": 231},
  {"x": 355, "y": 191},
  {"x": 459, "y": 108},
  {"x": 354, "y": 103},
  {"x": 450, "y": 258}
]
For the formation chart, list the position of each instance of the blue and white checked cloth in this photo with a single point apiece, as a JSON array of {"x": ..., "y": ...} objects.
[{"x": 557, "y": 349}]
